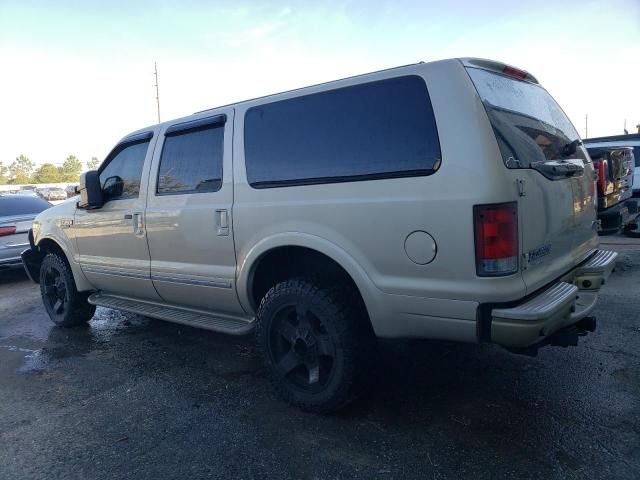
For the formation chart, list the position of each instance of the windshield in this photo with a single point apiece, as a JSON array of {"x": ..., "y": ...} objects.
[{"x": 529, "y": 125}]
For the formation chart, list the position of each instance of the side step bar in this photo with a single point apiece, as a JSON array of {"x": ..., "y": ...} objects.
[{"x": 193, "y": 318}]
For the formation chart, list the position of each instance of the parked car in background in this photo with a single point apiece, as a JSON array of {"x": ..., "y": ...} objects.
[
  {"x": 71, "y": 190},
  {"x": 448, "y": 200},
  {"x": 632, "y": 140},
  {"x": 26, "y": 193},
  {"x": 614, "y": 166},
  {"x": 16, "y": 216},
  {"x": 54, "y": 193}
]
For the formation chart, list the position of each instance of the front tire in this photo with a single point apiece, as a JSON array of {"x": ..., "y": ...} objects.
[
  {"x": 316, "y": 343},
  {"x": 65, "y": 305}
]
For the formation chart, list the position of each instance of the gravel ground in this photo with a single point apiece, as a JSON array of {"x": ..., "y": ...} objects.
[{"x": 130, "y": 397}]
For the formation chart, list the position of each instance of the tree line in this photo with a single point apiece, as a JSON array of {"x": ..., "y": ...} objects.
[{"x": 22, "y": 170}]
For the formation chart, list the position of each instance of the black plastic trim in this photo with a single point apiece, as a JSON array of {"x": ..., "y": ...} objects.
[
  {"x": 352, "y": 178},
  {"x": 137, "y": 137},
  {"x": 183, "y": 127}
]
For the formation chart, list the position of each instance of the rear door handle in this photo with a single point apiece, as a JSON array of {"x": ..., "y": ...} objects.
[
  {"x": 138, "y": 223},
  {"x": 222, "y": 222}
]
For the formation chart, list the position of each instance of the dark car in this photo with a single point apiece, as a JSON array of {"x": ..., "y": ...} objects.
[
  {"x": 16, "y": 215},
  {"x": 614, "y": 166}
]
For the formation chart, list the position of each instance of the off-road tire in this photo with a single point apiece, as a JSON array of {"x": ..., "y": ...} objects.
[
  {"x": 65, "y": 305},
  {"x": 344, "y": 330}
]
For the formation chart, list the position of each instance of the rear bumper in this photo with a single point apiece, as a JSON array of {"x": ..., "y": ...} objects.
[{"x": 561, "y": 305}]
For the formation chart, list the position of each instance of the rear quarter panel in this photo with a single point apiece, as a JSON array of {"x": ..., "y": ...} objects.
[{"x": 368, "y": 222}]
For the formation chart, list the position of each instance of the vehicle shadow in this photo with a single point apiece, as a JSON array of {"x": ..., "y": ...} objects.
[
  {"x": 432, "y": 405},
  {"x": 12, "y": 275}
]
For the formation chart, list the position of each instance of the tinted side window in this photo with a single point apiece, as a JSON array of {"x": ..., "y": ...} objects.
[
  {"x": 21, "y": 205},
  {"x": 127, "y": 165},
  {"x": 191, "y": 161},
  {"x": 374, "y": 130}
]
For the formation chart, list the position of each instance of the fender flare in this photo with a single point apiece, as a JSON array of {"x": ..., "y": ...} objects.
[
  {"x": 82, "y": 284},
  {"x": 249, "y": 259}
]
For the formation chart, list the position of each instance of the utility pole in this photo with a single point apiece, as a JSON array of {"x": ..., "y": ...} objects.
[
  {"x": 155, "y": 73},
  {"x": 586, "y": 125}
]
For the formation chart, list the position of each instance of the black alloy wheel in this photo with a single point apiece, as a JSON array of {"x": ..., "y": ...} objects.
[
  {"x": 65, "y": 305},
  {"x": 301, "y": 349},
  {"x": 316, "y": 342}
]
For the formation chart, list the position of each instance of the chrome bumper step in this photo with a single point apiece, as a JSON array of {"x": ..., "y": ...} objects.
[
  {"x": 604, "y": 261},
  {"x": 592, "y": 274},
  {"x": 546, "y": 304}
]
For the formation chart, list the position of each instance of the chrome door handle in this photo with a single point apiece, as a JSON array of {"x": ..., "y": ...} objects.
[
  {"x": 222, "y": 222},
  {"x": 138, "y": 224}
]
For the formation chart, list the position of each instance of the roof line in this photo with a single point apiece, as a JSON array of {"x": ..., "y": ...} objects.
[{"x": 308, "y": 86}]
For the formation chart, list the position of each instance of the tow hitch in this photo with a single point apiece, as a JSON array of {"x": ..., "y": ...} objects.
[{"x": 565, "y": 337}]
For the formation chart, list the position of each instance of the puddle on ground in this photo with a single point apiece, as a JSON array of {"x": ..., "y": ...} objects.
[{"x": 35, "y": 346}]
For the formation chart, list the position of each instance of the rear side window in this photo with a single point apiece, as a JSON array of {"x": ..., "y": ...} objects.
[
  {"x": 21, "y": 205},
  {"x": 636, "y": 154},
  {"x": 126, "y": 167},
  {"x": 191, "y": 161},
  {"x": 529, "y": 125},
  {"x": 380, "y": 129}
]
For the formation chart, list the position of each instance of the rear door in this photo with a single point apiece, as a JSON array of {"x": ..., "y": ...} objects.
[
  {"x": 189, "y": 204},
  {"x": 551, "y": 171}
]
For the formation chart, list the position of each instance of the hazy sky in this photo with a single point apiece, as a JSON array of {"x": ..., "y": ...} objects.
[{"x": 77, "y": 76}]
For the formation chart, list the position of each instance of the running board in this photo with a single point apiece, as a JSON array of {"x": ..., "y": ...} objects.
[{"x": 223, "y": 324}]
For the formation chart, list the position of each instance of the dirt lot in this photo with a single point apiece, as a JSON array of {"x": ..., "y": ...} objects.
[{"x": 130, "y": 397}]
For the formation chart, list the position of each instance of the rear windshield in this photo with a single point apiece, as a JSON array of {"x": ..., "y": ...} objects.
[
  {"x": 21, "y": 205},
  {"x": 529, "y": 125}
]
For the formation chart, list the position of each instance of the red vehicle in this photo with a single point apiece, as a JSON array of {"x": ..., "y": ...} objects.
[{"x": 614, "y": 166}]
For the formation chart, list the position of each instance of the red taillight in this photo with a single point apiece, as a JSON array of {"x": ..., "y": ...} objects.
[
  {"x": 601, "y": 167},
  {"x": 4, "y": 231},
  {"x": 496, "y": 229},
  {"x": 514, "y": 72}
]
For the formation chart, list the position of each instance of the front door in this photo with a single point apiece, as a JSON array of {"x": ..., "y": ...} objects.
[
  {"x": 189, "y": 224},
  {"x": 111, "y": 240}
]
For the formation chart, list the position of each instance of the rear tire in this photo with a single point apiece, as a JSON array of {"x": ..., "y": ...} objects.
[
  {"x": 65, "y": 305},
  {"x": 316, "y": 343}
]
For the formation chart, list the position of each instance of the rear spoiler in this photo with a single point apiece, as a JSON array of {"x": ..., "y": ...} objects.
[{"x": 499, "y": 67}]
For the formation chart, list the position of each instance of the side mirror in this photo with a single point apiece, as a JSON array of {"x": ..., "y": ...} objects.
[{"x": 90, "y": 192}]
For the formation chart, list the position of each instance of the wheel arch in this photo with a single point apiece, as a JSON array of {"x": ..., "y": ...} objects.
[
  {"x": 292, "y": 248},
  {"x": 50, "y": 244}
]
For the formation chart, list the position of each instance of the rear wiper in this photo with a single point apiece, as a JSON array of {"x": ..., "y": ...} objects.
[
  {"x": 570, "y": 148},
  {"x": 556, "y": 169}
]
